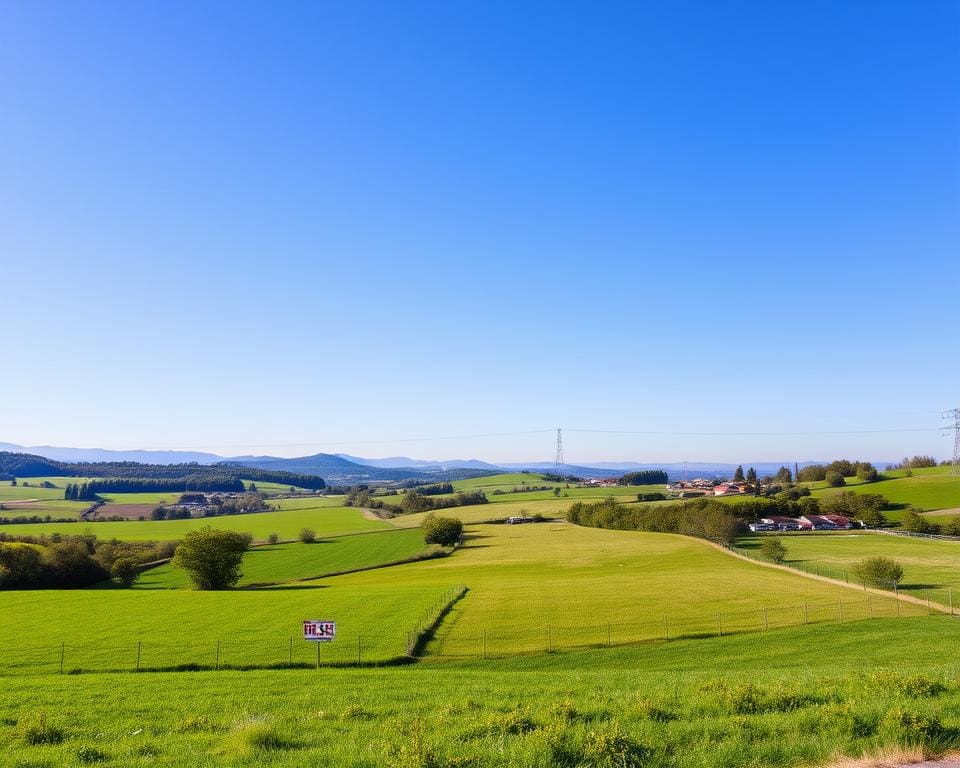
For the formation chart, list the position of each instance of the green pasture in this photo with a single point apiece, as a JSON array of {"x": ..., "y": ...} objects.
[
  {"x": 928, "y": 564},
  {"x": 287, "y": 523},
  {"x": 930, "y": 489},
  {"x": 20, "y": 492},
  {"x": 101, "y": 628},
  {"x": 542, "y": 586},
  {"x": 274, "y": 563},
  {"x": 690, "y": 704}
]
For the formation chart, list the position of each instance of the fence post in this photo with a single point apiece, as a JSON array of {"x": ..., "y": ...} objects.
[
  {"x": 950, "y": 591},
  {"x": 608, "y": 636},
  {"x": 928, "y": 602},
  {"x": 63, "y": 648},
  {"x": 290, "y": 652},
  {"x": 549, "y": 639},
  {"x": 806, "y": 616},
  {"x": 138, "y": 655},
  {"x": 719, "y": 625},
  {"x": 666, "y": 629},
  {"x": 766, "y": 619},
  {"x": 840, "y": 609},
  {"x": 358, "y": 648},
  {"x": 896, "y": 596},
  {"x": 218, "y": 655},
  {"x": 484, "y": 645},
  {"x": 318, "y": 655},
  {"x": 870, "y": 605}
]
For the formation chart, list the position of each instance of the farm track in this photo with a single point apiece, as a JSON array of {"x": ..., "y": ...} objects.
[{"x": 857, "y": 588}]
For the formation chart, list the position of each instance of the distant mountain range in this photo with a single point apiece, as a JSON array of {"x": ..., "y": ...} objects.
[{"x": 344, "y": 469}]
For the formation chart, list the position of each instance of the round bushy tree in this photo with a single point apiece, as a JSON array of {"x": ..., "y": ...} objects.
[
  {"x": 308, "y": 535},
  {"x": 879, "y": 571},
  {"x": 125, "y": 571},
  {"x": 835, "y": 480},
  {"x": 445, "y": 531},
  {"x": 212, "y": 558},
  {"x": 772, "y": 548}
]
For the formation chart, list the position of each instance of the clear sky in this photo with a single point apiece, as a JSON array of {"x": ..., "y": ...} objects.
[{"x": 288, "y": 227}]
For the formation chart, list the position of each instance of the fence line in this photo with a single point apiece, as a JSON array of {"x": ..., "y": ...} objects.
[
  {"x": 940, "y": 598},
  {"x": 504, "y": 642},
  {"x": 428, "y": 637}
]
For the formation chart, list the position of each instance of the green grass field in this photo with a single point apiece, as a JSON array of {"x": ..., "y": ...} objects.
[
  {"x": 287, "y": 523},
  {"x": 928, "y": 565},
  {"x": 929, "y": 489},
  {"x": 803, "y": 697},
  {"x": 550, "y": 585},
  {"x": 101, "y": 628},
  {"x": 274, "y": 563}
]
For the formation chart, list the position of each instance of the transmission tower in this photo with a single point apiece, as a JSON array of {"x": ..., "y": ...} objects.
[
  {"x": 558, "y": 462},
  {"x": 955, "y": 415}
]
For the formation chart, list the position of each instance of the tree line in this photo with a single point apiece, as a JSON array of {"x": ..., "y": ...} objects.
[
  {"x": 28, "y": 465},
  {"x": 58, "y": 561},
  {"x": 644, "y": 477}
]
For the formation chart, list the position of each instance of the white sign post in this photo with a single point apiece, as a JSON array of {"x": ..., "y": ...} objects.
[{"x": 319, "y": 631}]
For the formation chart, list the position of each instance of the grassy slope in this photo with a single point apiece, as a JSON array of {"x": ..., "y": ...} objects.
[
  {"x": 286, "y": 562},
  {"x": 287, "y": 523},
  {"x": 524, "y": 579},
  {"x": 927, "y": 564},
  {"x": 930, "y": 489},
  {"x": 677, "y": 704}
]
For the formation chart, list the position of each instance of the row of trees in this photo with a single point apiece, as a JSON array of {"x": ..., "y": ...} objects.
[
  {"x": 703, "y": 518},
  {"x": 413, "y": 500},
  {"x": 835, "y": 472},
  {"x": 644, "y": 477},
  {"x": 79, "y": 492},
  {"x": 58, "y": 561},
  {"x": 28, "y": 465}
]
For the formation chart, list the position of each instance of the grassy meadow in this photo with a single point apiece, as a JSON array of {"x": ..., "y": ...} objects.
[
  {"x": 929, "y": 565},
  {"x": 933, "y": 488},
  {"x": 543, "y": 586},
  {"x": 803, "y": 697},
  {"x": 292, "y": 561}
]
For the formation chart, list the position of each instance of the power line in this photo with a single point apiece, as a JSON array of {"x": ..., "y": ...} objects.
[
  {"x": 558, "y": 463},
  {"x": 755, "y": 434},
  {"x": 955, "y": 415}
]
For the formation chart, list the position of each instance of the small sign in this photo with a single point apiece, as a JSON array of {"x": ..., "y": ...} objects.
[{"x": 319, "y": 630}]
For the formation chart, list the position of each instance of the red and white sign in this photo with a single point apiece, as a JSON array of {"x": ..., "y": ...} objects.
[{"x": 319, "y": 630}]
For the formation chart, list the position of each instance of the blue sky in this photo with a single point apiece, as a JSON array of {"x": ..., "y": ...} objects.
[{"x": 298, "y": 227}]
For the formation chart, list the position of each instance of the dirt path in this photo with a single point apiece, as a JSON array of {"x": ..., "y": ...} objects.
[{"x": 856, "y": 587}]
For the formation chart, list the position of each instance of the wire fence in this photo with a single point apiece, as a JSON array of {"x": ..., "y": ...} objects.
[
  {"x": 939, "y": 598},
  {"x": 375, "y": 646},
  {"x": 505, "y": 642}
]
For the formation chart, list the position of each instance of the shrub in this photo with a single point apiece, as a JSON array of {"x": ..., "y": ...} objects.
[
  {"x": 308, "y": 535},
  {"x": 835, "y": 479},
  {"x": 273, "y": 538},
  {"x": 211, "y": 558},
  {"x": 772, "y": 548},
  {"x": 879, "y": 571},
  {"x": 445, "y": 531},
  {"x": 912, "y": 726},
  {"x": 914, "y": 522},
  {"x": 125, "y": 571}
]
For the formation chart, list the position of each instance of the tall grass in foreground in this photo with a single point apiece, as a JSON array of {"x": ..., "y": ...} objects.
[{"x": 852, "y": 690}]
